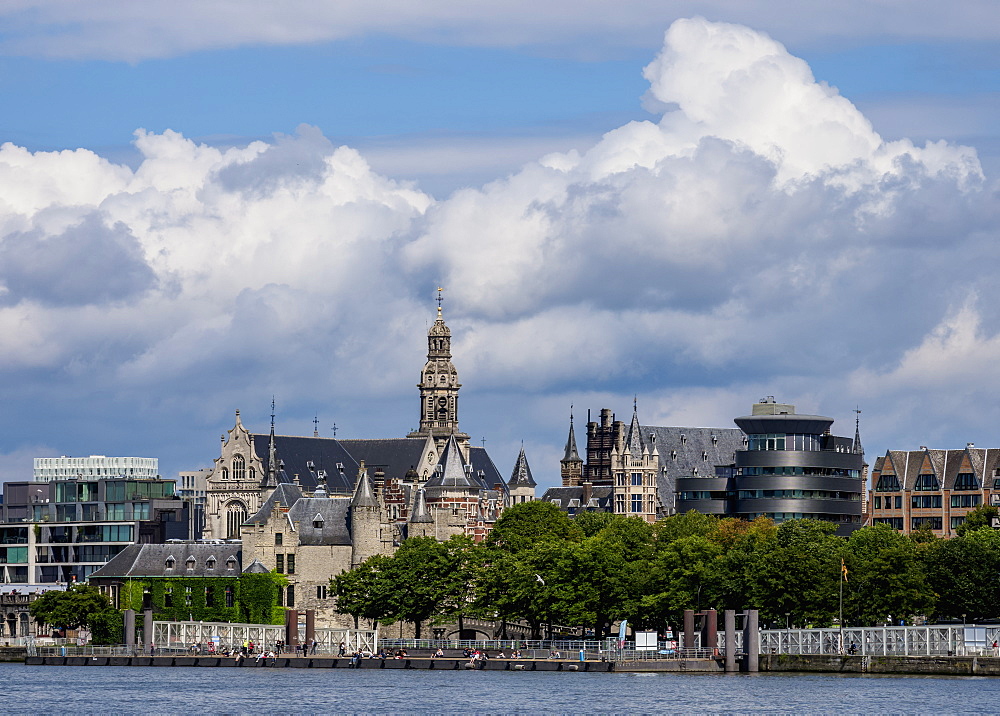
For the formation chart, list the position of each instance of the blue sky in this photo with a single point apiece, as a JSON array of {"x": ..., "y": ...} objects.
[{"x": 601, "y": 232}]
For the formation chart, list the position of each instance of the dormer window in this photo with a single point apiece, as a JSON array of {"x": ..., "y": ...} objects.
[
  {"x": 190, "y": 562},
  {"x": 169, "y": 562},
  {"x": 210, "y": 562},
  {"x": 231, "y": 563},
  {"x": 318, "y": 521}
]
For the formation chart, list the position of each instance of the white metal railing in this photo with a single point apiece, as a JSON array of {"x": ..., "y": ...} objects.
[
  {"x": 207, "y": 637},
  {"x": 928, "y": 640}
]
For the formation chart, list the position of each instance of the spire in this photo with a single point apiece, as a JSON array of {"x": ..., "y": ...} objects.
[
  {"x": 440, "y": 300},
  {"x": 271, "y": 475},
  {"x": 521, "y": 477},
  {"x": 420, "y": 512},
  {"x": 572, "y": 454},
  {"x": 857, "y": 450},
  {"x": 451, "y": 468},
  {"x": 364, "y": 493},
  {"x": 634, "y": 443}
]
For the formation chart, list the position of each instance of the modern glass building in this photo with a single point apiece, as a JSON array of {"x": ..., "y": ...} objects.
[
  {"x": 792, "y": 468},
  {"x": 48, "y": 469}
]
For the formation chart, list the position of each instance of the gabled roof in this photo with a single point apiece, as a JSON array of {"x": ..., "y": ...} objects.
[
  {"x": 521, "y": 477},
  {"x": 334, "y": 518},
  {"x": 394, "y": 456},
  {"x": 151, "y": 560},
  {"x": 451, "y": 470},
  {"x": 285, "y": 493},
  {"x": 308, "y": 457}
]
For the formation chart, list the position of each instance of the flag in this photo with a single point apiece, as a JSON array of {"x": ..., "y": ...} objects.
[{"x": 843, "y": 568}]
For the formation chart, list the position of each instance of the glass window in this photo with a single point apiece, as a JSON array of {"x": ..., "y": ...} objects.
[
  {"x": 290, "y": 560},
  {"x": 278, "y": 537},
  {"x": 966, "y": 481},
  {"x": 290, "y": 600},
  {"x": 878, "y": 502},
  {"x": 115, "y": 511},
  {"x": 636, "y": 503},
  {"x": 898, "y": 500},
  {"x": 637, "y": 479},
  {"x": 279, "y": 563},
  {"x": 887, "y": 483},
  {"x": 926, "y": 482},
  {"x": 239, "y": 467}
]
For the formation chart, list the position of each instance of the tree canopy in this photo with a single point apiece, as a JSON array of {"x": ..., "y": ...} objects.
[{"x": 80, "y": 606}]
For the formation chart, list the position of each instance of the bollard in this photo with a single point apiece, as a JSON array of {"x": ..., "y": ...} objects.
[{"x": 729, "y": 625}]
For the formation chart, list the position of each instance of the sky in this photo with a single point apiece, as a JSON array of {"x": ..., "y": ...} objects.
[{"x": 696, "y": 204}]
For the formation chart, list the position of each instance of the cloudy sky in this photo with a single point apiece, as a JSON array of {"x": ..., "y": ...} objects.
[{"x": 701, "y": 203}]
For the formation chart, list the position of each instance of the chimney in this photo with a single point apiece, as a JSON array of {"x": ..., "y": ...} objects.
[{"x": 587, "y": 491}]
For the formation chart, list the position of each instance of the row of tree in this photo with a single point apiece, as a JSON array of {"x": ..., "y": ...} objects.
[{"x": 539, "y": 566}]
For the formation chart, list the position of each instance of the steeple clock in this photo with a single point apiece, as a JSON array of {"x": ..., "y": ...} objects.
[{"x": 439, "y": 387}]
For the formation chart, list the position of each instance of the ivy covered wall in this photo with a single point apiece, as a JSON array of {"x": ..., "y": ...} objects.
[{"x": 253, "y": 598}]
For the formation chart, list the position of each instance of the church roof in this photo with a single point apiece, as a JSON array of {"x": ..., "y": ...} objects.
[
  {"x": 521, "y": 477},
  {"x": 309, "y": 457},
  {"x": 451, "y": 470},
  {"x": 152, "y": 560},
  {"x": 394, "y": 456}
]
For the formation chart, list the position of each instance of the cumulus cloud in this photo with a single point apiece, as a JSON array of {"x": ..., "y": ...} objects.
[
  {"x": 120, "y": 29},
  {"x": 760, "y": 238}
]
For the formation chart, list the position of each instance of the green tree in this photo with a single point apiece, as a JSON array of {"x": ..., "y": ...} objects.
[
  {"x": 80, "y": 606},
  {"x": 964, "y": 573},
  {"x": 681, "y": 577},
  {"x": 978, "y": 518},
  {"x": 798, "y": 575},
  {"x": 685, "y": 525},
  {"x": 362, "y": 592},
  {"x": 523, "y": 525},
  {"x": 885, "y": 576}
]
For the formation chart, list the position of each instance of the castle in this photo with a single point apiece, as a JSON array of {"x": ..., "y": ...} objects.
[{"x": 312, "y": 507}]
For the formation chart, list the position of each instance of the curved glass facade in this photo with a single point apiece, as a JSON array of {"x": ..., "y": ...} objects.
[{"x": 792, "y": 468}]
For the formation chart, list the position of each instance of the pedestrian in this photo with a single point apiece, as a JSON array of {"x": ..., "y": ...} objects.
[
  {"x": 314, "y": 645},
  {"x": 343, "y": 649}
]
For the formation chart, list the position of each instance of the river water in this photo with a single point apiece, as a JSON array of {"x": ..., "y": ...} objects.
[{"x": 184, "y": 690}]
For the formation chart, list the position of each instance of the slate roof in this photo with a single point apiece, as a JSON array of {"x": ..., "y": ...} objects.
[
  {"x": 451, "y": 470},
  {"x": 521, "y": 476},
  {"x": 334, "y": 526},
  {"x": 572, "y": 454},
  {"x": 150, "y": 560},
  {"x": 295, "y": 454},
  {"x": 420, "y": 512},
  {"x": 286, "y": 493},
  {"x": 570, "y": 499},
  {"x": 683, "y": 451},
  {"x": 908, "y": 465},
  {"x": 395, "y": 456}
]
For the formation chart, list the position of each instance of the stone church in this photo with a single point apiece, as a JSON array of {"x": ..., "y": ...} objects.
[{"x": 311, "y": 507}]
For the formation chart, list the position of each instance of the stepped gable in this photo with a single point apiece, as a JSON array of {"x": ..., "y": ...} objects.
[
  {"x": 286, "y": 493},
  {"x": 151, "y": 560},
  {"x": 394, "y": 456},
  {"x": 332, "y": 525},
  {"x": 294, "y": 455}
]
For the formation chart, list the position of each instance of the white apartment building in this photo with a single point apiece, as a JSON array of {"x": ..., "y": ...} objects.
[{"x": 48, "y": 469}]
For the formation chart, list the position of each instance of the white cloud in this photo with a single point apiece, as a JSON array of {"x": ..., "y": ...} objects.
[
  {"x": 761, "y": 238},
  {"x": 121, "y": 29}
]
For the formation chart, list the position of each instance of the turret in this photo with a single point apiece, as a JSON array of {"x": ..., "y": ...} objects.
[
  {"x": 521, "y": 484},
  {"x": 365, "y": 520},
  {"x": 571, "y": 466}
]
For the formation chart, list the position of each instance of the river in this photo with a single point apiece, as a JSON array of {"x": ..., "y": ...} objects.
[{"x": 184, "y": 690}]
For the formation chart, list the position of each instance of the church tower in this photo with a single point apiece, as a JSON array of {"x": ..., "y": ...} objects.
[
  {"x": 439, "y": 388},
  {"x": 571, "y": 466}
]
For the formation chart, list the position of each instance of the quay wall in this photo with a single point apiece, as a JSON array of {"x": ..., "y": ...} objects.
[
  {"x": 928, "y": 665},
  {"x": 317, "y": 662}
]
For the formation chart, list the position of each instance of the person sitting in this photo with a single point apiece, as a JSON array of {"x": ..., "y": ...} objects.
[
  {"x": 501, "y": 655},
  {"x": 438, "y": 654}
]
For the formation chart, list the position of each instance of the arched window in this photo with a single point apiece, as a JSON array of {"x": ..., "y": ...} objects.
[
  {"x": 252, "y": 473},
  {"x": 239, "y": 468},
  {"x": 225, "y": 473},
  {"x": 236, "y": 515}
]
